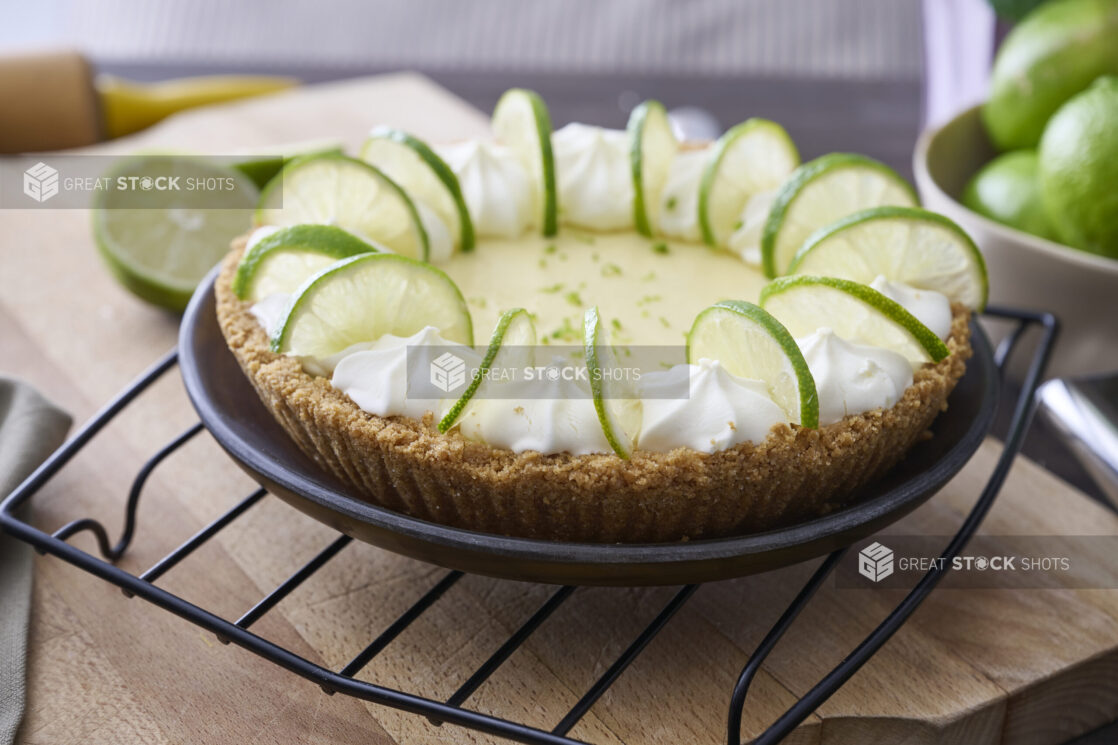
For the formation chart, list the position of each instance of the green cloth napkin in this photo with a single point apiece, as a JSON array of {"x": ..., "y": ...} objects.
[{"x": 31, "y": 428}]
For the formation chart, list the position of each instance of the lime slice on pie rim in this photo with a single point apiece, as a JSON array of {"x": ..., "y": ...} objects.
[
  {"x": 332, "y": 189},
  {"x": 616, "y": 404},
  {"x": 522, "y": 123},
  {"x": 752, "y": 157},
  {"x": 421, "y": 173},
  {"x": 281, "y": 261},
  {"x": 652, "y": 146},
  {"x": 904, "y": 244},
  {"x": 364, "y": 297},
  {"x": 855, "y": 312},
  {"x": 261, "y": 165},
  {"x": 821, "y": 191},
  {"x": 514, "y": 327},
  {"x": 750, "y": 343}
]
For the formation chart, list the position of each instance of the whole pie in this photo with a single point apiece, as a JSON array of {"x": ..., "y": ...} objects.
[{"x": 689, "y": 340}]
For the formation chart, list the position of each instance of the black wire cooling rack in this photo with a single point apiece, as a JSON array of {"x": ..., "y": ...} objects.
[{"x": 453, "y": 710}]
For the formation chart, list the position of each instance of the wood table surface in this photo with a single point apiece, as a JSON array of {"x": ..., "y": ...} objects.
[{"x": 972, "y": 666}]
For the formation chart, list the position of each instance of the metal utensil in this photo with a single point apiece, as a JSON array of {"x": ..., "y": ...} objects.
[{"x": 1084, "y": 412}]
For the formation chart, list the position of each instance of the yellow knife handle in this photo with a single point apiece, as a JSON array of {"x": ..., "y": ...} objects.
[{"x": 128, "y": 106}]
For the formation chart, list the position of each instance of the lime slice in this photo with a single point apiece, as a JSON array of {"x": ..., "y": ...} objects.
[
  {"x": 820, "y": 192},
  {"x": 364, "y": 297},
  {"x": 855, "y": 312},
  {"x": 262, "y": 164},
  {"x": 514, "y": 330},
  {"x": 616, "y": 403},
  {"x": 343, "y": 191},
  {"x": 904, "y": 244},
  {"x": 161, "y": 243},
  {"x": 652, "y": 146},
  {"x": 754, "y": 157},
  {"x": 413, "y": 165},
  {"x": 750, "y": 343},
  {"x": 281, "y": 261},
  {"x": 521, "y": 122}
]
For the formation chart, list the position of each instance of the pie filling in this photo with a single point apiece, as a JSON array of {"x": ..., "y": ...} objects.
[{"x": 652, "y": 287}]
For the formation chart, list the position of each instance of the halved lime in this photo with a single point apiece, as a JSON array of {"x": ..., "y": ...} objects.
[
  {"x": 514, "y": 330},
  {"x": 425, "y": 176},
  {"x": 805, "y": 304},
  {"x": 263, "y": 163},
  {"x": 751, "y": 158},
  {"x": 820, "y": 192},
  {"x": 615, "y": 400},
  {"x": 652, "y": 146},
  {"x": 161, "y": 243},
  {"x": 364, "y": 297},
  {"x": 281, "y": 261},
  {"x": 521, "y": 122},
  {"x": 338, "y": 190},
  {"x": 903, "y": 244},
  {"x": 750, "y": 343}
]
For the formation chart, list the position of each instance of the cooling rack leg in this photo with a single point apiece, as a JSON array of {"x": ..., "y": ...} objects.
[
  {"x": 112, "y": 553},
  {"x": 1022, "y": 415},
  {"x": 59, "y": 458},
  {"x": 737, "y": 699}
]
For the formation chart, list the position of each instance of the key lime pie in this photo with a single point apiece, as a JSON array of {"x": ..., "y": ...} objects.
[{"x": 812, "y": 321}]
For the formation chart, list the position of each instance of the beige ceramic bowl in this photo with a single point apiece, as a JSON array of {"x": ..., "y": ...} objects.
[{"x": 1025, "y": 271}]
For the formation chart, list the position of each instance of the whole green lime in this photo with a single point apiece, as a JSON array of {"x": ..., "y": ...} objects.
[
  {"x": 1056, "y": 52},
  {"x": 1006, "y": 190},
  {"x": 1014, "y": 10},
  {"x": 1078, "y": 159}
]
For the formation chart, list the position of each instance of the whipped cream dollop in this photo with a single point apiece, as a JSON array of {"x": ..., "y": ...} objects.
[
  {"x": 549, "y": 416},
  {"x": 931, "y": 308},
  {"x": 375, "y": 374},
  {"x": 260, "y": 234},
  {"x": 853, "y": 378},
  {"x": 270, "y": 310},
  {"x": 499, "y": 192},
  {"x": 593, "y": 177},
  {"x": 721, "y": 411},
  {"x": 679, "y": 199},
  {"x": 745, "y": 241}
]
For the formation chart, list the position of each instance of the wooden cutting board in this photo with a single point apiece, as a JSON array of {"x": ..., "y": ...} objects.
[{"x": 975, "y": 666}]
